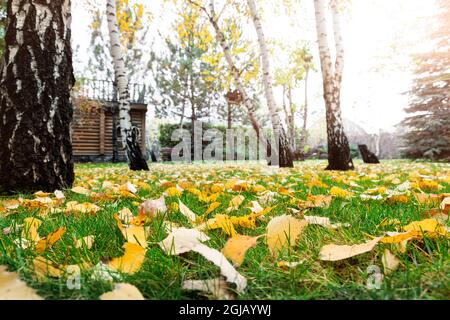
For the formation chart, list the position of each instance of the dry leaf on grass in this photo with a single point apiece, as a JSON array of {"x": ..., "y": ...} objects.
[
  {"x": 137, "y": 235},
  {"x": 191, "y": 216},
  {"x": 151, "y": 208},
  {"x": 183, "y": 240},
  {"x": 131, "y": 261},
  {"x": 50, "y": 240},
  {"x": 283, "y": 232},
  {"x": 213, "y": 206},
  {"x": 236, "y": 248},
  {"x": 81, "y": 190},
  {"x": 29, "y": 231},
  {"x": 445, "y": 205},
  {"x": 324, "y": 222},
  {"x": 123, "y": 291},
  {"x": 12, "y": 288},
  {"x": 333, "y": 252},
  {"x": 390, "y": 262},
  {"x": 287, "y": 264},
  {"x": 44, "y": 268},
  {"x": 216, "y": 289}
]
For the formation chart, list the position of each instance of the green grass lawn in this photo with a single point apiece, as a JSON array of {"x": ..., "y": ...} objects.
[{"x": 424, "y": 267}]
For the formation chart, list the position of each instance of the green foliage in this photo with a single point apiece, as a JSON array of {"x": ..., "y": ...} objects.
[{"x": 428, "y": 125}]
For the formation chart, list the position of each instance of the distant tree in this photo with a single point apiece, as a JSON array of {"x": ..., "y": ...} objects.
[
  {"x": 285, "y": 152},
  {"x": 133, "y": 22},
  {"x": 186, "y": 84},
  {"x": 289, "y": 78},
  {"x": 129, "y": 133},
  {"x": 35, "y": 106},
  {"x": 339, "y": 156},
  {"x": 428, "y": 123}
]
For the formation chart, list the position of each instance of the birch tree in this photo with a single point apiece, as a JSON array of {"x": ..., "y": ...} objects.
[
  {"x": 284, "y": 149},
  {"x": 247, "y": 101},
  {"x": 129, "y": 133},
  {"x": 339, "y": 157},
  {"x": 36, "y": 78}
]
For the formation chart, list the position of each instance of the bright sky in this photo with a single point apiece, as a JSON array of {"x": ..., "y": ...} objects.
[{"x": 379, "y": 36}]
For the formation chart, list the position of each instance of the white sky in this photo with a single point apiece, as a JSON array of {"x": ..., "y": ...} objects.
[{"x": 379, "y": 37}]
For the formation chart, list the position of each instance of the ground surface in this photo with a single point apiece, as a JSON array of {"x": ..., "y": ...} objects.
[{"x": 380, "y": 201}]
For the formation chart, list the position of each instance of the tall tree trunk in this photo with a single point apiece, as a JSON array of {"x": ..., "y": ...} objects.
[
  {"x": 115, "y": 147},
  {"x": 264, "y": 143},
  {"x": 229, "y": 116},
  {"x": 35, "y": 104},
  {"x": 291, "y": 122},
  {"x": 129, "y": 133},
  {"x": 339, "y": 157},
  {"x": 305, "y": 114},
  {"x": 285, "y": 152}
]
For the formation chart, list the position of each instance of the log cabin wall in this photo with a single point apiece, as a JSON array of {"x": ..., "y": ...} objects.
[{"x": 92, "y": 133}]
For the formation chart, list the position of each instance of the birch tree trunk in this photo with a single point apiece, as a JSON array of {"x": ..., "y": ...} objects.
[
  {"x": 291, "y": 120},
  {"x": 36, "y": 78},
  {"x": 339, "y": 157},
  {"x": 129, "y": 133},
  {"x": 264, "y": 143},
  {"x": 284, "y": 150},
  {"x": 305, "y": 115}
]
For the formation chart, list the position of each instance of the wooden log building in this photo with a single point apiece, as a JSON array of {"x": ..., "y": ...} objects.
[{"x": 93, "y": 133}]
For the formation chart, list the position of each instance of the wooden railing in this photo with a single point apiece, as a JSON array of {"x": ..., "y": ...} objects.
[{"x": 104, "y": 90}]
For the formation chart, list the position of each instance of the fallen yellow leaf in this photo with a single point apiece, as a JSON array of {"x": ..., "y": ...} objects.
[
  {"x": 50, "y": 240},
  {"x": 236, "y": 248},
  {"x": 333, "y": 252},
  {"x": 283, "y": 232},
  {"x": 131, "y": 261}
]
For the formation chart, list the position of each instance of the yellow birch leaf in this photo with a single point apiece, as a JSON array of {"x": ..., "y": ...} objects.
[
  {"x": 192, "y": 217},
  {"x": 131, "y": 261},
  {"x": 283, "y": 232},
  {"x": 50, "y": 240},
  {"x": 211, "y": 208},
  {"x": 30, "y": 226},
  {"x": 333, "y": 252},
  {"x": 44, "y": 267},
  {"x": 236, "y": 248},
  {"x": 135, "y": 234}
]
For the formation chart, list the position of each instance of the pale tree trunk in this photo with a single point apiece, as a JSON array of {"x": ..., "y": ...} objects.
[
  {"x": 35, "y": 105},
  {"x": 129, "y": 133},
  {"x": 291, "y": 122},
  {"x": 284, "y": 150},
  {"x": 264, "y": 143},
  {"x": 339, "y": 157},
  {"x": 305, "y": 115}
]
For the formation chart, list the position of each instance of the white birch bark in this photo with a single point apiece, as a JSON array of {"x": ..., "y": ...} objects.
[
  {"x": 339, "y": 157},
  {"x": 236, "y": 77},
  {"x": 128, "y": 136},
  {"x": 274, "y": 110}
]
